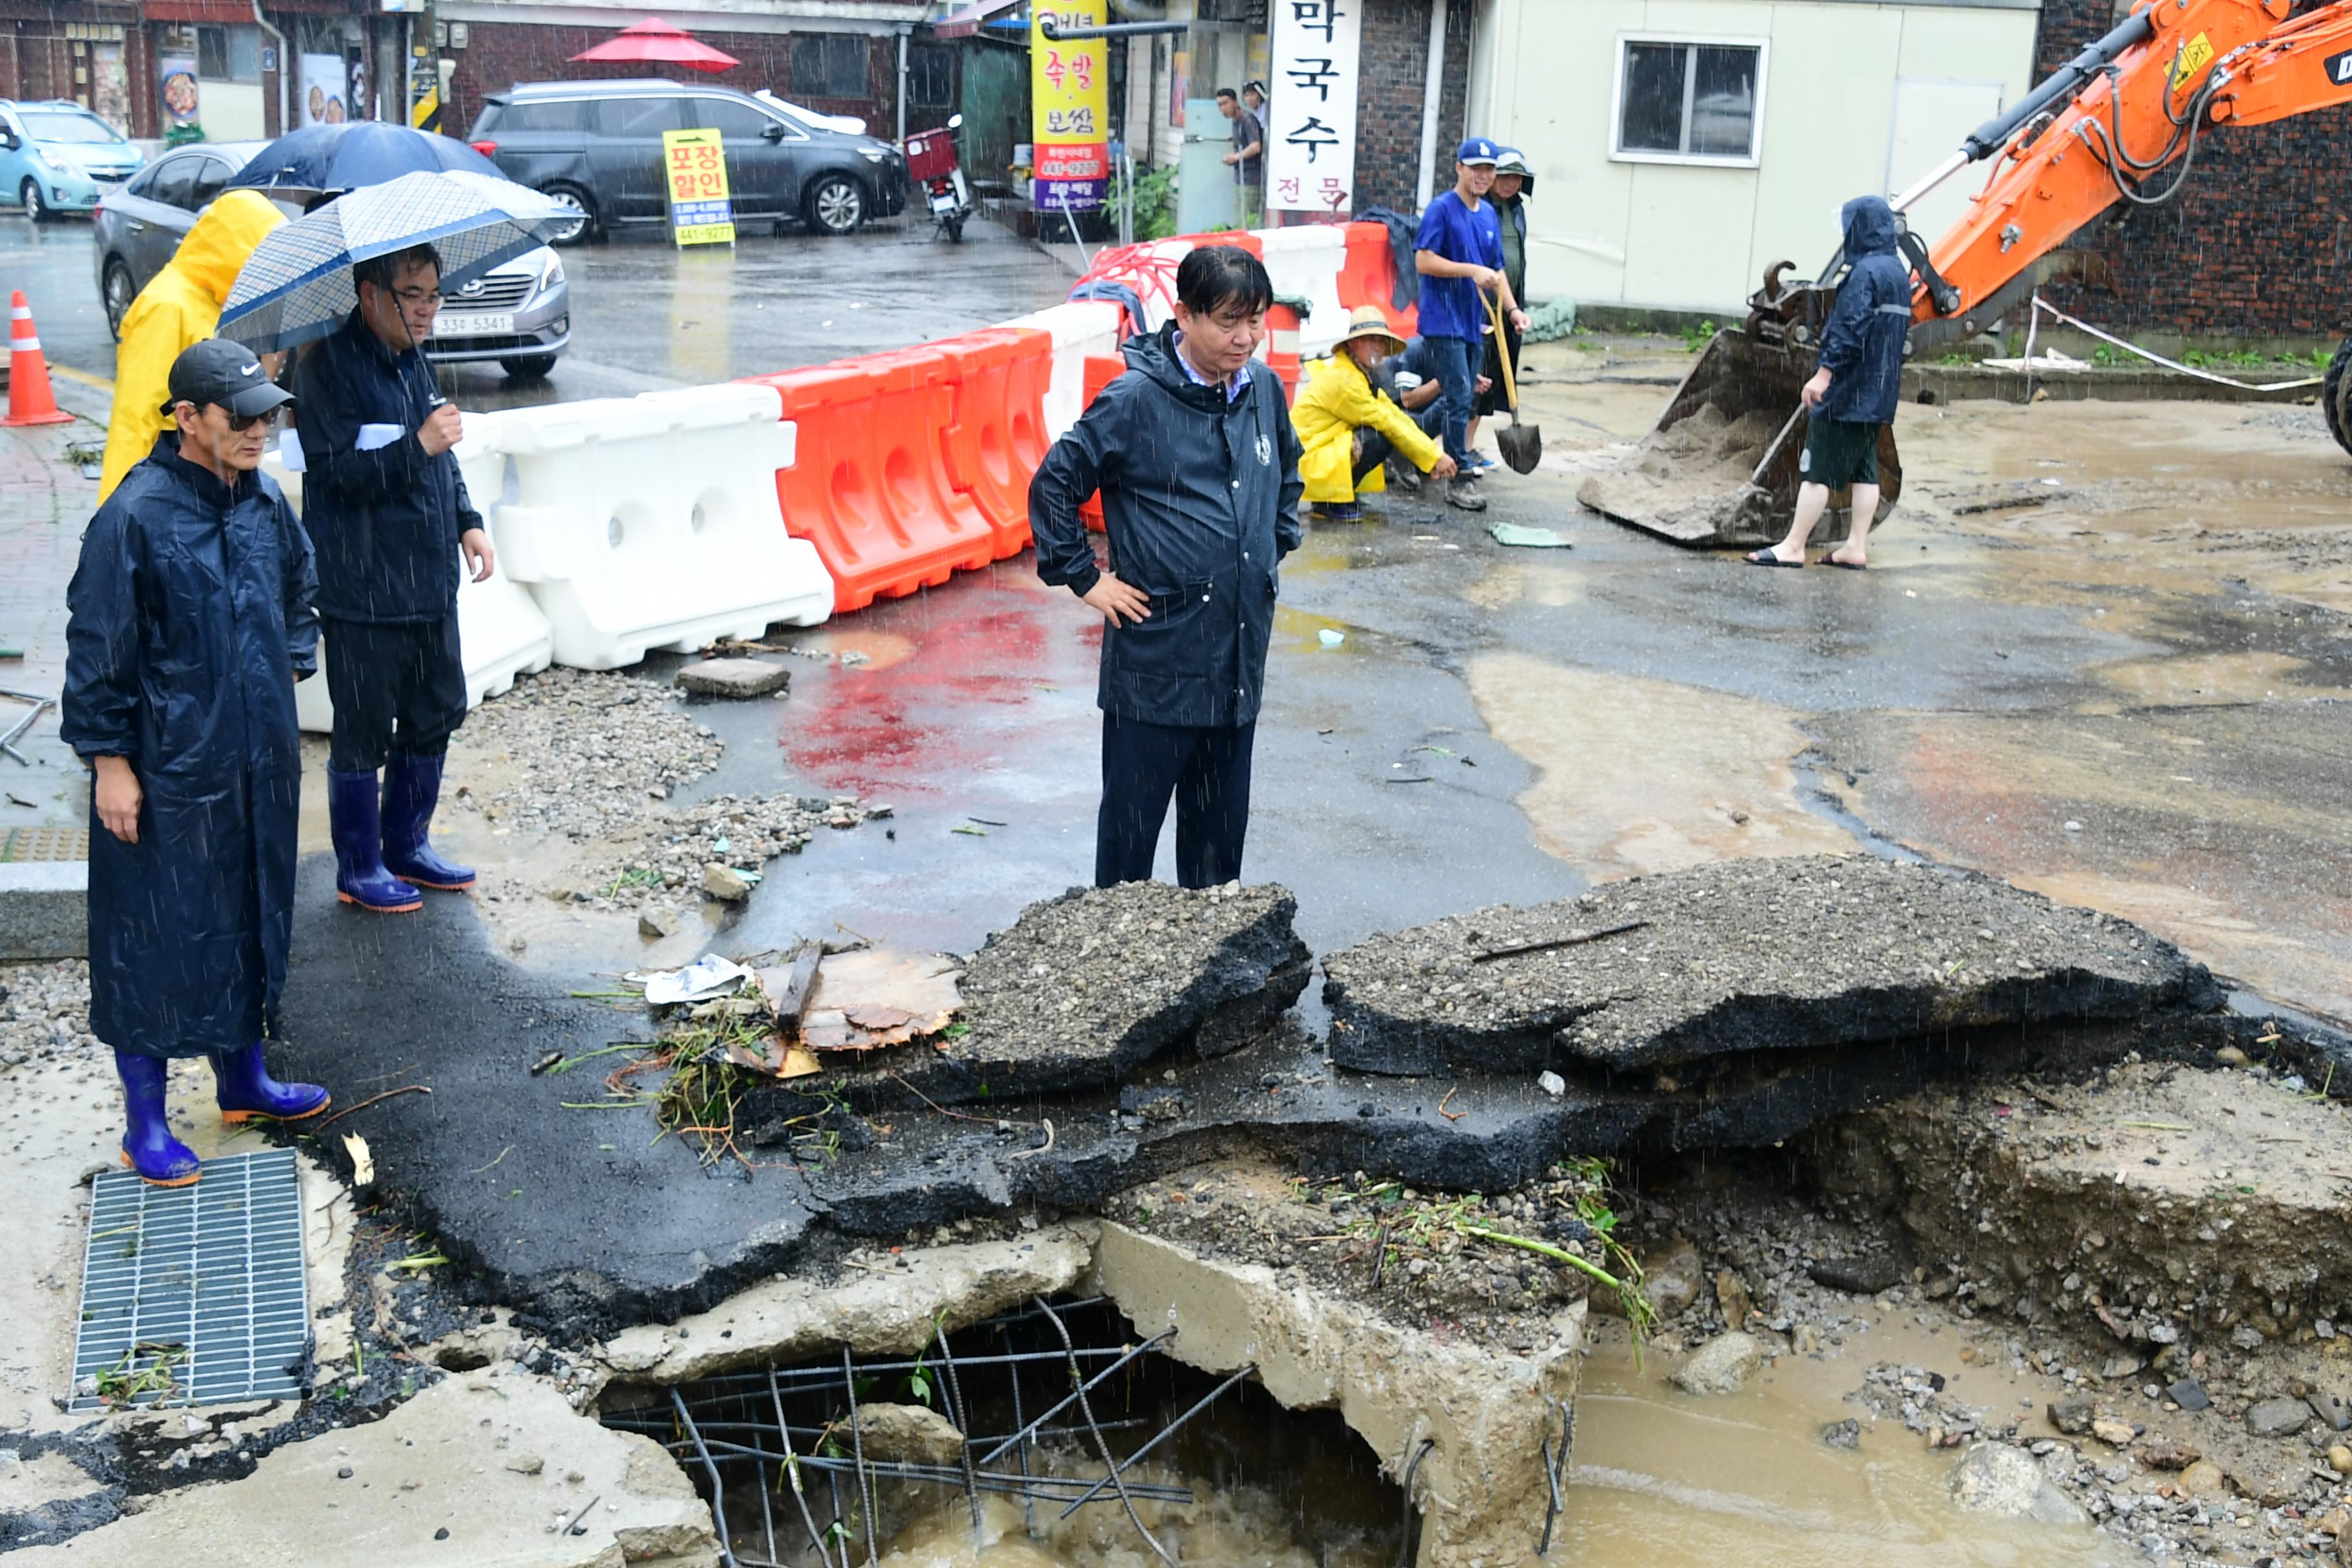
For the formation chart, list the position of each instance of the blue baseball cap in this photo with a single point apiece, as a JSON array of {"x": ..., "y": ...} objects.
[{"x": 1477, "y": 150}]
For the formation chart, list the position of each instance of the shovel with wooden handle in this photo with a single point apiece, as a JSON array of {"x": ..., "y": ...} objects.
[{"x": 1521, "y": 445}]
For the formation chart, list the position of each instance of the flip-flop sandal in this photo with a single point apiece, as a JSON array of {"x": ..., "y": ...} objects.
[
  {"x": 1765, "y": 558},
  {"x": 1845, "y": 565}
]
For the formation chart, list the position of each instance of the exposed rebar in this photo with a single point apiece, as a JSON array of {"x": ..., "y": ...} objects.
[
  {"x": 791, "y": 1467},
  {"x": 1102, "y": 1444},
  {"x": 1074, "y": 1398},
  {"x": 1012, "y": 1375},
  {"x": 710, "y": 1468},
  {"x": 963, "y": 1426},
  {"x": 857, "y": 1452},
  {"x": 1405, "y": 1532},
  {"x": 1162, "y": 1435}
]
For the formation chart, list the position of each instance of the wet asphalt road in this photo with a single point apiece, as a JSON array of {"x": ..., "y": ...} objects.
[{"x": 646, "y": 315}]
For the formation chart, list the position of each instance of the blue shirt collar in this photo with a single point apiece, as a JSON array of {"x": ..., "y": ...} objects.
[{"x": 1234, "y": 388}]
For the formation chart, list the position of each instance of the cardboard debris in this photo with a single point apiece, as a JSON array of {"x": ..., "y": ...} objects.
[{"x": 880, "y": 997}]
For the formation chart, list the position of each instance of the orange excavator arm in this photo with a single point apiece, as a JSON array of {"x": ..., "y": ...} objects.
[{"x": 2121, "y": 122}]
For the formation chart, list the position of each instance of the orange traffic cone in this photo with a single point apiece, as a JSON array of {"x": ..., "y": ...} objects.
[{"x": 30, "y": 401}]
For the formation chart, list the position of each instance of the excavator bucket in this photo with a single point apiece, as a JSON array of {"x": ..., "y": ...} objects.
[{"x": 1719, "y": 467}]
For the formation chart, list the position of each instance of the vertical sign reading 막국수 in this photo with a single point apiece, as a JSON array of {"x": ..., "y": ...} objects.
[
  {"x": 1069, "y": 91},
  {"x": 700, "y": 212},
  {"x": 1310, "y": 132}
]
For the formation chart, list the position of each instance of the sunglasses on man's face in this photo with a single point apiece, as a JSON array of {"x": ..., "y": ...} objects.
[{"x": 241, "y": 422}]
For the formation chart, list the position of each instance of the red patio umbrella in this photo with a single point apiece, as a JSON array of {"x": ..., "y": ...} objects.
[{"x": 654, "y": 41}]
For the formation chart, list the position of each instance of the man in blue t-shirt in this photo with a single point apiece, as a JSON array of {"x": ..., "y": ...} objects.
[{"x": 1459, "y": 253}]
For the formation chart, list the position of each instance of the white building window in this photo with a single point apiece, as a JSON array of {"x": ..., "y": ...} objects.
[{"x": 1688, "y": 101}]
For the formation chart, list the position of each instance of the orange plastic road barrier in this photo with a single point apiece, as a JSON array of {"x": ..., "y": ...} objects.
[
  {"x": 1282, "y": 347},
  {"x": 30, "y": 400},
  {"x": 1369, "y": 277},
  {"x": 1101, "y": 371},
  {"x": 868, "y": 484},
  {"x": 995, "y": 435},
  {"x": 1240, "y": 236}
]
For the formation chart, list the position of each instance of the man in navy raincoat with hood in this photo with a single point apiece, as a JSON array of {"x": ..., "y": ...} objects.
[
  {"x": 1856, "y": 386},
  {"x": 1193, "y": 451},
  {"x": 190, "y": 622}
]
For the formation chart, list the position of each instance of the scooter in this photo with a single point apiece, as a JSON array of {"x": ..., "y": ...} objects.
[{"x": 932, "y": 159}]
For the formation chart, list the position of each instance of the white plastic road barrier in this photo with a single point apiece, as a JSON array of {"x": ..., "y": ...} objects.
[
  {"x": 1080, "y": 328},
  {"x": 652, "y": 522},
  {"x": 1304, "y": 263},
  {"x": 502, "y": 633}
]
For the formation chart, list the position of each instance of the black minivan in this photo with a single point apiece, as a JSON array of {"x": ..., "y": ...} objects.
[{"x": 597, "y": 145}]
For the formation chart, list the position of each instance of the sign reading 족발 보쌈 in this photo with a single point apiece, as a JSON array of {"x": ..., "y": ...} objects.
[
  {"x": 1310, "y": 129},
  {"x": 1069, "y": 93},
  {"x": 700, "y": 212}
]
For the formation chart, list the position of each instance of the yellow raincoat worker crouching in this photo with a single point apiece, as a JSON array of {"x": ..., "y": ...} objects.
[
  {"x": 181, "y": 305},
  {"x": 1338, "y": 400}
]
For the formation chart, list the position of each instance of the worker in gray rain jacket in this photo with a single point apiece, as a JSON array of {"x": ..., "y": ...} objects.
[
  {"x": 189, "y": 623},
  {"x": 1857, "y": 382},
  {"x": 1194, "y": 452}
]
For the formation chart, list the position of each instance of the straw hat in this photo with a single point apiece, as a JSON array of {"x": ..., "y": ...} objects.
[{"x": 1367, "y": 321}]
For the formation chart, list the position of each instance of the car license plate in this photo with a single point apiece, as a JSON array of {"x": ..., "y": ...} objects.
[{"x": 474, "y": 324}]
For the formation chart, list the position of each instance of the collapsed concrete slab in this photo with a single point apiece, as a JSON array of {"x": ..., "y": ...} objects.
[
  {"x": 1739, "y": 957},
  {"x": 1083, "y": 989},
  {"x": 1464, "y": 1426},
  {"x": 480, "y": 1469},
  {"x": 893, "y": 1312}
]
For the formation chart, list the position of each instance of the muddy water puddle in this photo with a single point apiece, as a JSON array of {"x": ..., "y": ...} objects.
[
  {"x": 1692, "y": 776},
  {"x": 1664, "y": 1479}
]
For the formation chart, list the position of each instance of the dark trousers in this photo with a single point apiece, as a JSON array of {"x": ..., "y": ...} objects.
[
  {"x": 1457, "y": 361},
  {"x": 1207, "y": 769},
  {"x": 1495, "y": 398},
  {"x": 396, "y": 687}
]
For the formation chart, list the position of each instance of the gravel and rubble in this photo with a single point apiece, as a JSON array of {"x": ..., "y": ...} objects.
[
  {"x": 594, "y": 758},
  {"x": 44, "y": 1011}
]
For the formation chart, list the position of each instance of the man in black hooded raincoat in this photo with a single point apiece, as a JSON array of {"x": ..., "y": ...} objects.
[
  {"x": 1198, "y": 464},
  {"x": 190, "y": 622},
  {"x": 1856, "y": 385}
]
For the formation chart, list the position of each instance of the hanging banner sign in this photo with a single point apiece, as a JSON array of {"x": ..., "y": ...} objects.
[
  {"x": 700, "y": 210},
  {"x": 1310, "y": 115},
  {"x": 1069, "y": 94}
]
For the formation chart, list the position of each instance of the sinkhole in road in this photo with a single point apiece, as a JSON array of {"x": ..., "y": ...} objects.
[{"x": 1055, "y": 1435}]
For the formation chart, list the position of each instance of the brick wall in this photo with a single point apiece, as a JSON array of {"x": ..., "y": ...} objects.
[
  {"x": 1393, "y": 63},
  {"x": 499, "y": 54},
  {"x": 2257, "y": 244}
]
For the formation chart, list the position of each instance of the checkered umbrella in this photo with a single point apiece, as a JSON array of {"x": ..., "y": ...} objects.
[{"x": 296, "y": 286}]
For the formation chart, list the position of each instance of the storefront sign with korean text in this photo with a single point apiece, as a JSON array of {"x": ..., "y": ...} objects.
[
  {"x": 1069, "y": 91},
  {"x": 1310, "y": 115},
  {"x": 700, "y": 210}
]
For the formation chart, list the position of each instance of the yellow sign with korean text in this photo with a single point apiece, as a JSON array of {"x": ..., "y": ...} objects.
[
  {"x": 700, "y": 212},
  {"x": 1069, "y": 95}
]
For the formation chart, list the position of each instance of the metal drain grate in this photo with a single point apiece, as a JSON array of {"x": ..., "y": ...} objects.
[
  {"x": 45, "y": 844},
  {"x": 194, "y": 1295}
]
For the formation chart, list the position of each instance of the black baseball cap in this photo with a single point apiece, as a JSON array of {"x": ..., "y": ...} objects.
[{"x": 222, "y": 371}]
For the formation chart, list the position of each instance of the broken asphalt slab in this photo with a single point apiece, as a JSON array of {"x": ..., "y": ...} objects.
[
  {"x": 1722, "y": 959},
  {"x": 1085, "y": 988},
  {"x": 553, "y": 1197}
]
